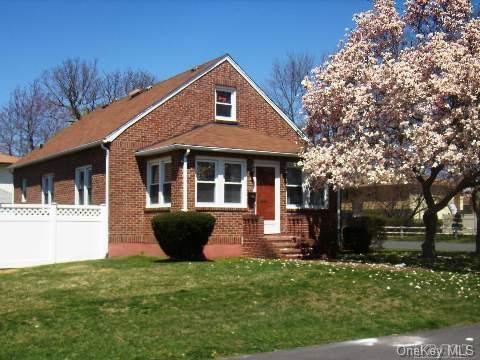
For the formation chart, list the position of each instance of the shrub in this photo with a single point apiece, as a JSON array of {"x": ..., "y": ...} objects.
[
  {"x": 359, "y": 233},
  {"x": 182, "y": 235},
  {"x": 357, "y": 239}
]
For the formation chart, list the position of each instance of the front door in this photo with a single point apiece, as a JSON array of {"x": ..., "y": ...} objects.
[{"x": 267, "y": 206}]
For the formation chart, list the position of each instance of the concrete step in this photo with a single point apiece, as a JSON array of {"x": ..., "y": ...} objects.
[
  {"x": 279, "y": 237},
  {"x": 283, "y": 243},
  {"x": 292, "y": 256},
  {"x": 290, "y": 250}
]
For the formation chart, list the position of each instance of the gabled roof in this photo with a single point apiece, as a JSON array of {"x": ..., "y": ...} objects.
[
  {"x": 105, "y": 124},
  {"x": 225, "y": 138},
  {"x": 7, "y": 159}
]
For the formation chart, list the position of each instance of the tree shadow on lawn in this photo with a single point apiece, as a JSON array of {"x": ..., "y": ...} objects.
[
  {"x": 457, "y": 262},
  {"x": 172, "y": 261}
]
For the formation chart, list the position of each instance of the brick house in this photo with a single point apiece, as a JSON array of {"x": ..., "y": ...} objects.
[
  {"x": 207, "y": 139},
  {"x": 6, "y": 178}
]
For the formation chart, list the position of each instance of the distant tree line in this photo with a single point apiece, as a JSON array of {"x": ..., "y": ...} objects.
[{"x": 61, "y": 95}]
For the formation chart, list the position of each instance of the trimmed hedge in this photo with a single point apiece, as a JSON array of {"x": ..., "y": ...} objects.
[
  {"x": 183, "y": 235},
  {"x": 360, "y": 232}
]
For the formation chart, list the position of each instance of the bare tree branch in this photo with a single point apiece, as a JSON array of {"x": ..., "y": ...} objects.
[
  {"x": 285, "y": 83},
  {"x": 67, "y": 91},
  {"x": 28, "y": 120},
  {"x": 73, "y": 85},
  {"x": 117, "y": 84}
]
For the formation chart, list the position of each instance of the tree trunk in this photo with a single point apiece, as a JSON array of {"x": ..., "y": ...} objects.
[
  {"x": 476, "y": 208},
  {"x": 357, "y": 203},
  {"x": 477, "y": 242},
  {"x": 430, "y": 220}
]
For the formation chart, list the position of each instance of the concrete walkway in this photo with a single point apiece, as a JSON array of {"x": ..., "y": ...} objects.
[
  {"x": 417, "y": 245},
  {"x": 434, "y": 344}
]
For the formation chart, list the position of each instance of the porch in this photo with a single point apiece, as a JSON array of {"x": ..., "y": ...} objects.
[{"x": 307, "y": 236}]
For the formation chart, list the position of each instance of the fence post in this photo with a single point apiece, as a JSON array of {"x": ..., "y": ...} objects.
[
  {"x": 104, "y": 217},
  {"x": 53, "y": 231},
  {"x": 401, "y": 232}
]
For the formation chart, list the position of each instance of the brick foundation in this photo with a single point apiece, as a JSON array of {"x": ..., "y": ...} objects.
[{"x": 210, "y": 251}]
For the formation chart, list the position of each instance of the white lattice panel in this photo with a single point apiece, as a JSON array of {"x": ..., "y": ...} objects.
[
  {"x": 24, "y": 211},
  {"x": 79, "y": 211}
]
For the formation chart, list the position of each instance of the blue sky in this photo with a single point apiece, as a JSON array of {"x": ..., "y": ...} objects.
[{"x": 164, "y": 37}]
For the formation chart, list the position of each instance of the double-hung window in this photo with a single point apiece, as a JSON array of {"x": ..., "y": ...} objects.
[
  {"x": 159, "y": 183},
  {"x": 225, "y": 104},
  {"x": 24, "y": 190},
  {"x": 207, "y": 175},
  {"x": 220, "y": 182},
  {"x": 47, "y": 189},
  {"x": 300, "y": 194},
  {"x": 83, "y": 185},
  {"x": 294, "y": 187}
]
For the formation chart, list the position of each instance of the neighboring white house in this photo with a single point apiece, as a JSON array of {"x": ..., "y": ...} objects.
[{"x": 6, "y": 179}]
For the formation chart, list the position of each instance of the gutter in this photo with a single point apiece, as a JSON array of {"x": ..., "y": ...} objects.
[
  {"x": 58, "y": 154},
  {"x": 213, "y": 149}
]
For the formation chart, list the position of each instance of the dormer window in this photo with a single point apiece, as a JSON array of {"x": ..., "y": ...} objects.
[{"x": 225, "y": 104}]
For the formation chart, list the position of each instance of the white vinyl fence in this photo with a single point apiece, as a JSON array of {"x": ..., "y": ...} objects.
[
  {"x": 46, "y": 234},
  {"x": 404, "y": 231}
]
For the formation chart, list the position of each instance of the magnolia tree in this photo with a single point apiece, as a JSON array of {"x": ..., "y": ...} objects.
[{"x": 399, "y": 102}]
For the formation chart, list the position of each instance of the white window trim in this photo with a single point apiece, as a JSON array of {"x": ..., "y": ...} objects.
[
  {"x": 47, "y": 178},
  {"x": 77, "y": 180},
  {"x": 161, "y": 178},
  {"x": 220, "y": 182},
  {"x": 305, "y": 194},
  {"x": 233, "y": 93},
  {"x": 24, "y": 191}
]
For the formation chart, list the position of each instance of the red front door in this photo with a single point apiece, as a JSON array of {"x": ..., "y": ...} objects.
[{"x": 266, "y": 192}]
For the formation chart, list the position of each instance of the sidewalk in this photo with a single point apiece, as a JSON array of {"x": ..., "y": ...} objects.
[{"x": 390, "y": 347}]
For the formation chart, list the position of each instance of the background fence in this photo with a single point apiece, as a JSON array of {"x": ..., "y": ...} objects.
[
  {"x": 406, "y": 231},
  {"x": 46, "y": 234}
]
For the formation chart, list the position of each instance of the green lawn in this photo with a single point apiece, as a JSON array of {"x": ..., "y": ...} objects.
[{"x": 148, "y": 308}]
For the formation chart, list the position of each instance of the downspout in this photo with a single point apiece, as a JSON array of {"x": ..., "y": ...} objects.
[
  {"x": 107, "y": 193},
  {"x": 185, "y": 180}
]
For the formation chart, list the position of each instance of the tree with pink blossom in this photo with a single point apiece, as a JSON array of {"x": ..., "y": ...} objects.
[{"x": 399, "y": 102}]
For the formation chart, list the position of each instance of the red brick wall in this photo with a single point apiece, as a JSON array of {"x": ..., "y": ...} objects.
[
  {"x": 129, "y": 220},
  {"x": 63, "y": 170},
  {"x": 252, "y": 246}
]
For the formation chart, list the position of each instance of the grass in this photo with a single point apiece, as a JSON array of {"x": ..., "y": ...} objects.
[
  {"x": 460, "y": 239},
  {"x": 147, "y": 308},
  {"x": 451, "y": 262}
]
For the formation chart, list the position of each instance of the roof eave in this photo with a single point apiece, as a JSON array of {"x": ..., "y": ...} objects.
[
  {"x": 164, "y": 149},
  {"x": 58, "y": 154}
]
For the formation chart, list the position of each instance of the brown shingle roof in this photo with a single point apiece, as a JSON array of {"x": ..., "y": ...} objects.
[
  {"x": 7, "y": 159},
  {"x": 95, "y": 126},
  {"x": 232, "y": 138}
]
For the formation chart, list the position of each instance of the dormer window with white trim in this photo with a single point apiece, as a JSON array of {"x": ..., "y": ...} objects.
[{"x": 225, "y": 104}]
